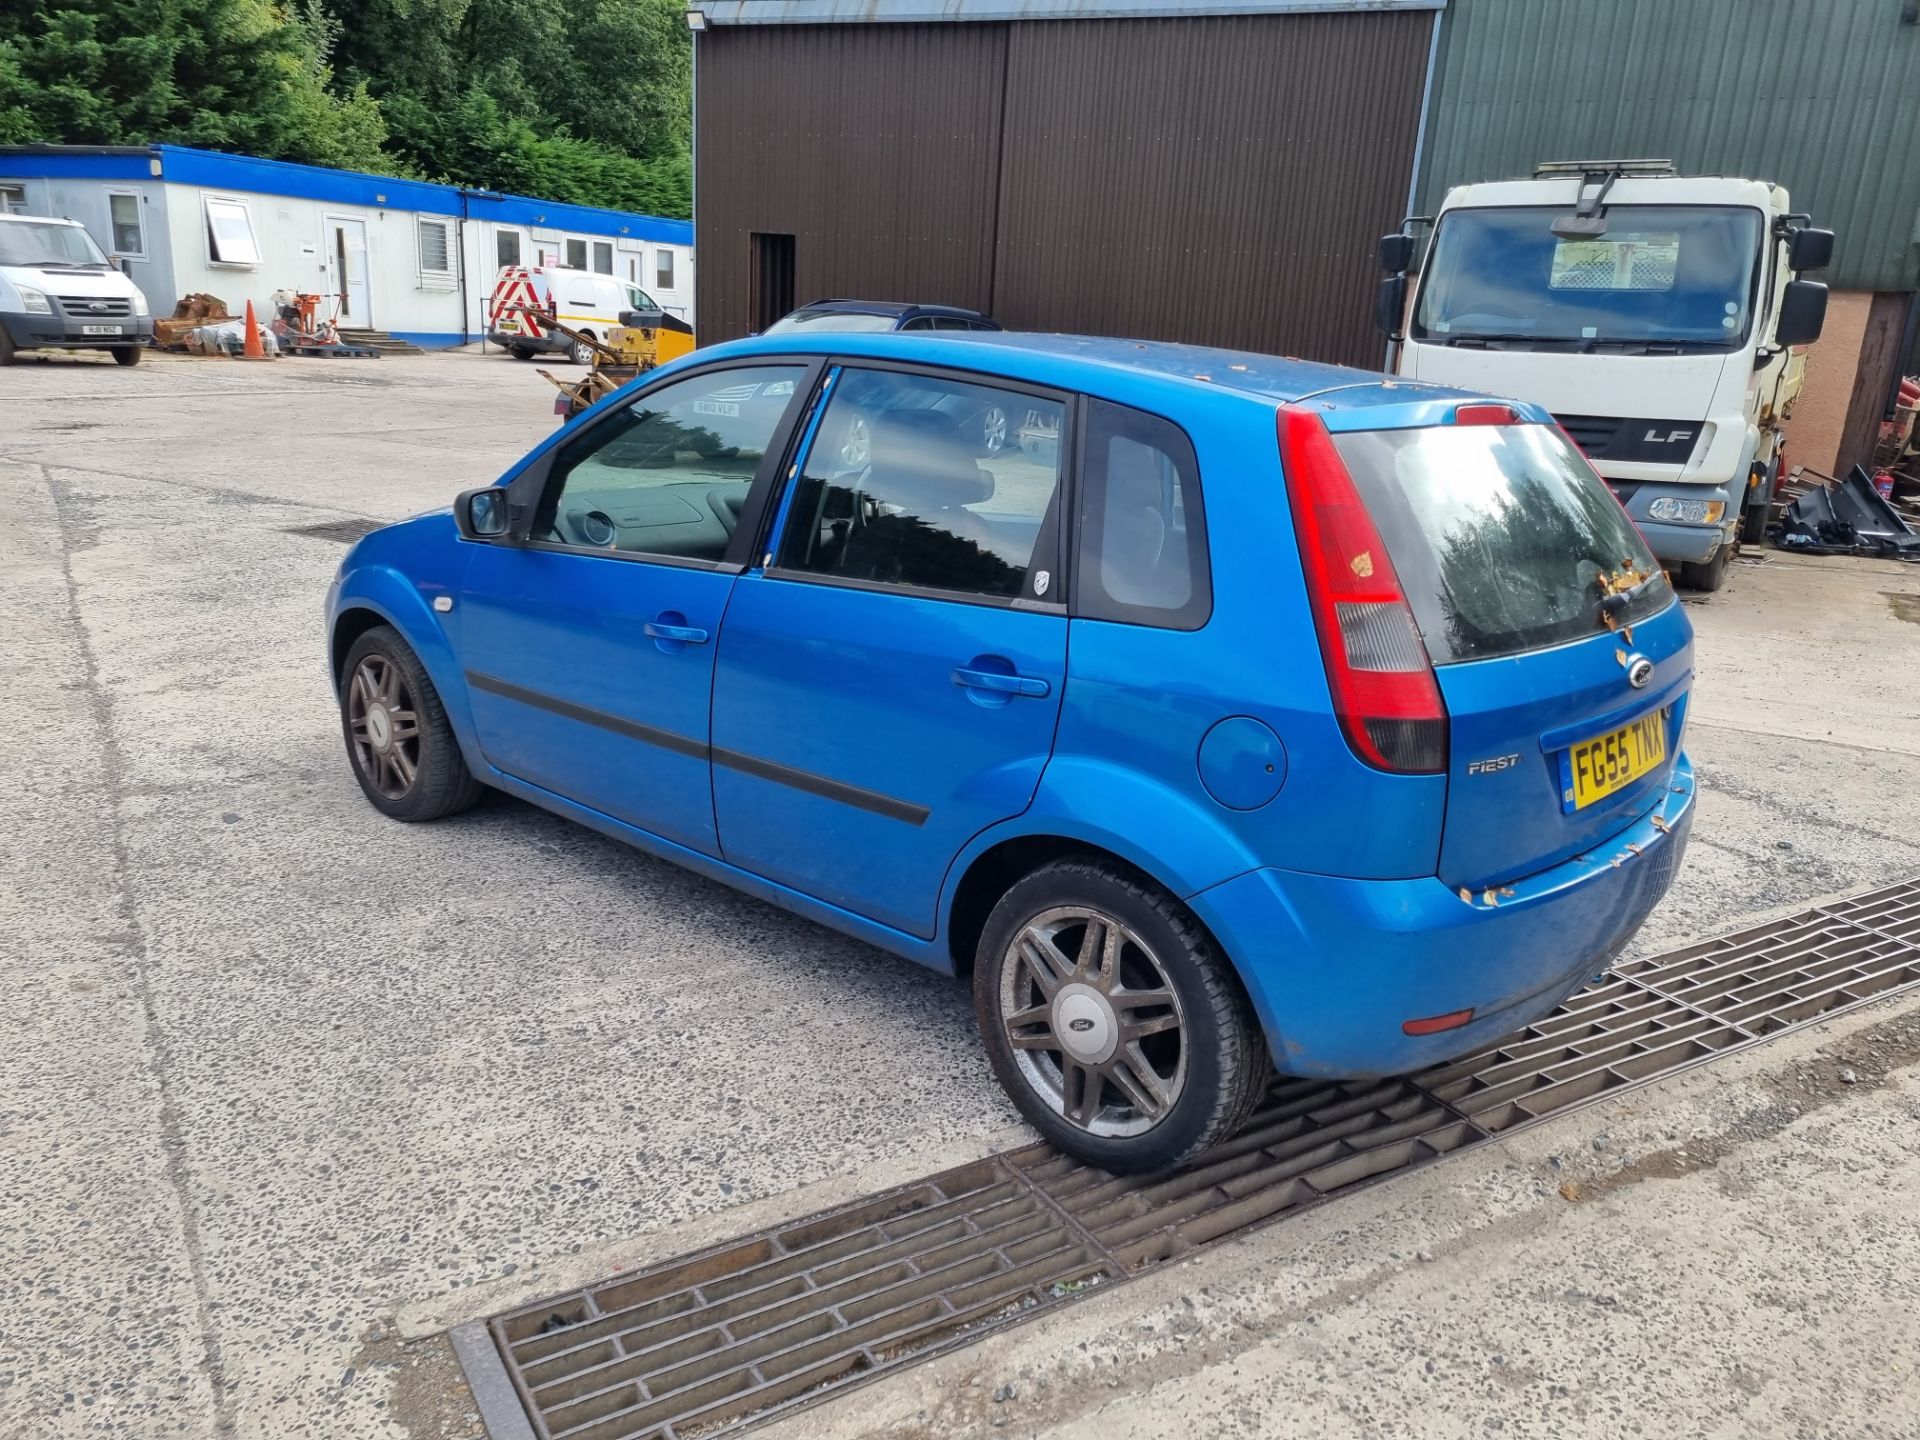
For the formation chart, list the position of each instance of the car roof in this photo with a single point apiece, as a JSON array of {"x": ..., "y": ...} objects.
[
  {"x": 44, "y": 220},
  {"x": 1082, "y": 362}
]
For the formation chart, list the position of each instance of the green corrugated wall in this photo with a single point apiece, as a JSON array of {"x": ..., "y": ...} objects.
[{"x": 1820, "y": 95}]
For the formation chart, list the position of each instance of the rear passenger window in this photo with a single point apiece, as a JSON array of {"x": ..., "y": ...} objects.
[
  {"x": 1143, "y": 534},
  {"x": 930, "y": 484},
  {"x": 668, "y": 474}
]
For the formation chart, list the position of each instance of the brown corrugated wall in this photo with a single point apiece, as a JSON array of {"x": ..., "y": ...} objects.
[
  {"x": 1215, "y": 180},
  {"x": 875, "y": 146}
]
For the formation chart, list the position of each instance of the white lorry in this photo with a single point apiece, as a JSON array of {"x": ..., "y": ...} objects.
[{"x": 1657, "y": 315}]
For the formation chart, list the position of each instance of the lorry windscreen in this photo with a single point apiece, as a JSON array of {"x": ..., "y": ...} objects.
[
  {"x": 1683, "y": 274},
  {"x": 25, "y": 243}
]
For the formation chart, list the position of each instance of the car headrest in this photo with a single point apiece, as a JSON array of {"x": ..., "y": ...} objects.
[{"x": 921, "y": 462}]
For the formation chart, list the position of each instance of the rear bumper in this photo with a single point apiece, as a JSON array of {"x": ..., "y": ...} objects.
[
  {"x": 59, "y": 332},
  {"x": 1334, "y": 967},
  {"x": 544, "y": 344}
]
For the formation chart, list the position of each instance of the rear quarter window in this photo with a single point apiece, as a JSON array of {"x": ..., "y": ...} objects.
[{"x": 1504, "y": 538}]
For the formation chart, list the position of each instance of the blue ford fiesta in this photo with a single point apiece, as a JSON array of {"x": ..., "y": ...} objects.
[{"x": 1240, "y": 713}]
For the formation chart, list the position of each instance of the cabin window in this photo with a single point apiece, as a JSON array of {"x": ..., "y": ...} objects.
[{"x": 123, "y": 210}]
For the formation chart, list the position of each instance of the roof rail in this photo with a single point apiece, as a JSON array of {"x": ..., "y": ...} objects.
[{"x": 1603, "y": 167}]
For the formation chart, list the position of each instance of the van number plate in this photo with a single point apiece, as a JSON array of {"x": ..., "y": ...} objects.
[
  {"x": 1596, "y": 768},
  {"x": 99, "y": 329}
]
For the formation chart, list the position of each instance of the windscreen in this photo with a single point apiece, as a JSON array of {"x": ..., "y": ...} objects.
[
  {"x": 1504, "y": 538},
  {"x": 832, "y": 320},
  {"x": 1677, "y": 274},
  {"x": 30, "y": 244}
]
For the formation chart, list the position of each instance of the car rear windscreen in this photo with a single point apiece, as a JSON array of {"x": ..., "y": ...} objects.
[{"x": 1504, "y": 538}]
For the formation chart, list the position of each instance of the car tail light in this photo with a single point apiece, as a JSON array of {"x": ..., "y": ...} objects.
[{"x": 1384, "y": 690}]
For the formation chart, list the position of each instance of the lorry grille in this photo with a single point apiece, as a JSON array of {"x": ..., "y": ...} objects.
[{"x": 1643, "y": 442}]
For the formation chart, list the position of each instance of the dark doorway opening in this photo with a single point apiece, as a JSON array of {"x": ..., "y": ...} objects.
[{"x": 770, "y": 293}]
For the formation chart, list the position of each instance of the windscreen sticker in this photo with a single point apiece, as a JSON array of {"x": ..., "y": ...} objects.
[{"x": 1641, "y": 260}]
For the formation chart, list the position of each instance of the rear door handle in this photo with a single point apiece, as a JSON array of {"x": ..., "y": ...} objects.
[
  {"x": 686, "y": 634},
  {"x": 1000, "y": 684}
]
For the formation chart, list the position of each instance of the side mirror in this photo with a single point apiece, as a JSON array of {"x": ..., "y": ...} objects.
[
  {"x": 1390, "y": 305},
  {"x": 1809, "y": 250},
  {"x": 1803, "y": 312},
  {"x": 482, "y": 514},
  {"x": 1396, "y": 252}
]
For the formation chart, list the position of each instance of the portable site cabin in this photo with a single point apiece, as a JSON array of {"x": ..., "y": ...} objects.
[{"x": 414, "y": 259}]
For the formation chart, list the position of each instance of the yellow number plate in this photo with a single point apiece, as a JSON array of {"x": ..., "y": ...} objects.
[{"x": 1595, "y": 768}]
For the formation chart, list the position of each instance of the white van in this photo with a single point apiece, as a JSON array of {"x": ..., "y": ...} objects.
[
  {"x": 526, "y": 296},
  {"x": 57, "y": 292}
]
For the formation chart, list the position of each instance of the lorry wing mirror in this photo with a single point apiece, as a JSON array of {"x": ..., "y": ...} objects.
[
  {"x": 1390, "y": 304},
  {"x": 1396, "y": 252},
  {"x": 1803, "y": 311},
  {"x": 1810, "y": 249}
]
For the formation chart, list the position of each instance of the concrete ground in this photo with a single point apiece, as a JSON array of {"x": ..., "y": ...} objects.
[{"x": 285, "y": 1088}]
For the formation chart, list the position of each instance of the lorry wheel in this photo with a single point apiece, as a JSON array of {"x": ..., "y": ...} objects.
[
  {"x": 1708, "y": 575},
  {"x": 1753, "y": 529},
  {"x": 126, "y": 354}
]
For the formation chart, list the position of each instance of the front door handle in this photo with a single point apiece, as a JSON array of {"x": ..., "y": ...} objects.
[
  {"x": 1000, "y": 684},
  {"x": 673, "y": 627}
]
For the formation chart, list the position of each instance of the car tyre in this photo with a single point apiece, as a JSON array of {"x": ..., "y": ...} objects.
[
  {"x": 402, "y": 749},
  {"x": 7, "y": 351},
  {"x": 520, "y": 352},
  {"x": 126, "y": 354},
  {"x": 580, "y": 352},
  {"x": 1205, "y": 1047}
]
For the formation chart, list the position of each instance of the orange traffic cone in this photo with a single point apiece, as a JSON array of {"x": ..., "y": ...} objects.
[{"x": 254, "y": 349}]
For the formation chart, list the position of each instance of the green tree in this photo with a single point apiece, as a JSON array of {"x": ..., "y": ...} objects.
[
  {"x": 579, "y": 100},
  {"x": 227, "y": 74}
]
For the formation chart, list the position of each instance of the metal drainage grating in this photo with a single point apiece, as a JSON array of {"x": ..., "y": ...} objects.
[
  {"x": 343, "y": 532},
  {"x": 763, "y": 1324}
]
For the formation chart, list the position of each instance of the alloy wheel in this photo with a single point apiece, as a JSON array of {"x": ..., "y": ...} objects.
[
  {"x": 856, "y": 446},
  {"x": 385, "y": 725},
  {"x": 993, "y": 430},
  {"x": 1093, "y": 1021}
]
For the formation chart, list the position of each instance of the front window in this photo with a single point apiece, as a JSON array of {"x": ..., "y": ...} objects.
[
  {"x": 28, "y": 243},
  {"x": 603, "y": 257},
  {"x": 668, "y": 474},
  {"x": 1678, "y": 275},
  {"x": 1504, "y": 538},
  {"x": 663, "y": 269},
  {"x": 577, "y": 254},
  {"x": 840, "y": 320},
  {"x": 506, "y": 248}
]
